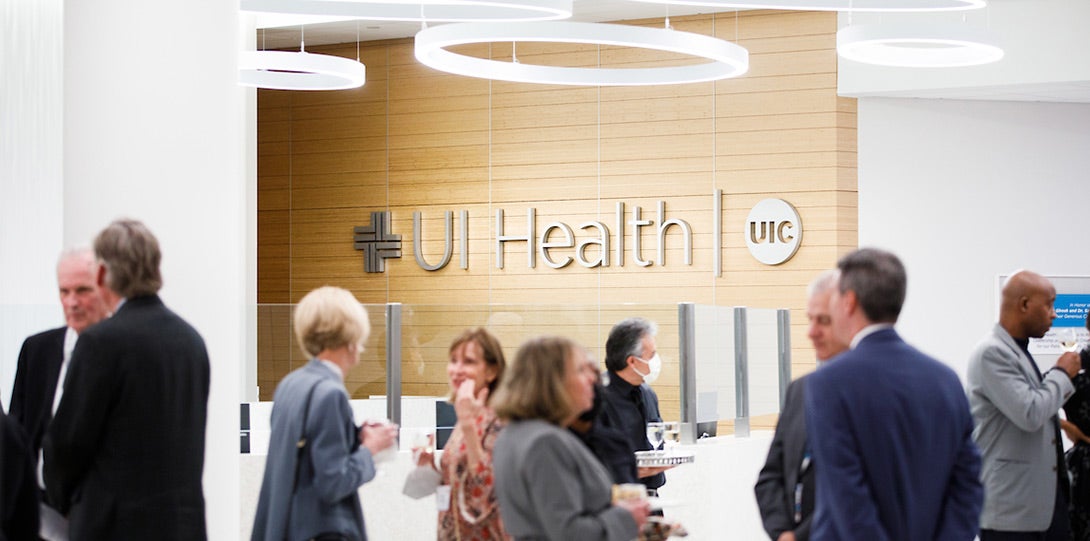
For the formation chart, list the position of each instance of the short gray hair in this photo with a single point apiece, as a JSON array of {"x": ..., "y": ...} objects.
[
  {"x": 130, "y": 253},
  {"x": 626, "y": 339},
  {"x": 78, "y": 252},
  {"x": 822, "y": 282}
]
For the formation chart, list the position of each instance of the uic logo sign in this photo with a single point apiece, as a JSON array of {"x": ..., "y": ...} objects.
[{"x": 773, "y": 231}]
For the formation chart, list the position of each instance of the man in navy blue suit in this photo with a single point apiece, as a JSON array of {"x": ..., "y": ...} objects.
[{"x": 889, "y": 425}]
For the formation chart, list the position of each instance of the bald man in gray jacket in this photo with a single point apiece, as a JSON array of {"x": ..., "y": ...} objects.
[{"x": 1014, "y": 408}]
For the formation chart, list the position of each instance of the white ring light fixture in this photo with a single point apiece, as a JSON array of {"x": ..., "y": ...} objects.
[
  {"x": 833, "y": 5},
  {"x": 283, "y": 70},
  {"x": 727, "y": 59},
  {"x": 420, "y": 10},
  {"x": 916, "y": 46}
]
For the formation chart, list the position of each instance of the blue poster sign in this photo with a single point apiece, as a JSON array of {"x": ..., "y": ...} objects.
[{"x": 1071, "y": 310}]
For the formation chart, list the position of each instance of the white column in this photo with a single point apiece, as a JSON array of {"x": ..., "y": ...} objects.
[
  {"x": 154, "y": 129},
  {"x": 31, "y": 210}
]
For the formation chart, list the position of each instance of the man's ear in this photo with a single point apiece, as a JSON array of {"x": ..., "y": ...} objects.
[
  {"x": 851, "y": 302},
  {"x": 100, "y": 277}
]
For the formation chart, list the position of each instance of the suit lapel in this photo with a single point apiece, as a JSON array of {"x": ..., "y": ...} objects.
[{"x": 1028, "y": 366}]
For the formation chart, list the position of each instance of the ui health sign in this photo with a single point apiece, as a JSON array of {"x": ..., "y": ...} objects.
[{"x": 773, "y": 233}]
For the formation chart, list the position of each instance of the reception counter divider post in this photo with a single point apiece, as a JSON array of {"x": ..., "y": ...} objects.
[
  {"x": 686, "y": 316},
  {"x": 783, "y": 327},
  {"x": 393, "y": 362},
  {"x": 741, "y": 374}
]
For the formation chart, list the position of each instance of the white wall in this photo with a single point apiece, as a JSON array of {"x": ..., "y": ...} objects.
[
  {"x": 964, "y": 191},
  {"x": 154, "y": 130}
]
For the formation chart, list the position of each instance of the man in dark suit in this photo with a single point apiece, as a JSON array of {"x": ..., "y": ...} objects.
[
  {"x": 890, "y": 427},
  {"x": 785, "y": 486},
  {"x": 125, "y": 452},
  {"x": 18, "y": 491},
  {"x": 43, "y": 355},
  {"x": 43, "y": 361}
]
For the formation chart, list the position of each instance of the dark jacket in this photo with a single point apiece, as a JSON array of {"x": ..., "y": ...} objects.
[
  {"x": 36, "y": 384},
  {"x": 124, "y": 454}
]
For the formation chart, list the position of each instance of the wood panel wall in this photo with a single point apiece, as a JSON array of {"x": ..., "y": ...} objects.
[{"x": 414, "y": 139}]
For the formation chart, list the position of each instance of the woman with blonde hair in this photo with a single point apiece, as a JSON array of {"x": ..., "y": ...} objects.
[
  {"x": 318, "y": 458},
  {"x": 548, "y": 484},
  {"x": 463, "y": 482}
]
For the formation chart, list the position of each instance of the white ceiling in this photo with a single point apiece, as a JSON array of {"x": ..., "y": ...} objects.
[
  {"x": 272, "y": 34},
  {"x": 276, "y": 36}
]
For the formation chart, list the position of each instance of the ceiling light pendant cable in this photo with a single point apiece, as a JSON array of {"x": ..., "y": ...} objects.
[
  {"x": 286, "y": 70},
  {"x": 726, "y": 59}
]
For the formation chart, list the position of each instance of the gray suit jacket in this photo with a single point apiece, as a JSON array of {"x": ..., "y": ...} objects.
[
  {"x": 775, "y": 488},
  {"x": 1012, "y": 410},
  {"x": 549, "y": 486},
  {"x": 327, "y": 498}
]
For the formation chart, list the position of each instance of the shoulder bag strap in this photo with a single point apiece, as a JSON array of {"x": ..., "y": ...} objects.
[{"x": 301, "y": 443}]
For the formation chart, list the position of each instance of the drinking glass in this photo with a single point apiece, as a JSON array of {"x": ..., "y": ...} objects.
[
  {"x": 1069, "y": 339},
  {"x": 672, "y": 431},
  {"x": 421, "y": 440},
  {"x": 656, "y": 433}
]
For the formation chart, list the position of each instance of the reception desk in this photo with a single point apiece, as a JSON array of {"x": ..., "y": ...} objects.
[{"x": 712, "y": 497}]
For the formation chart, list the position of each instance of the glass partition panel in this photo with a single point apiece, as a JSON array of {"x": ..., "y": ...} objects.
[
  {"x": 428, "y": 330},
  {"x": 763, "y": 362},
  {"x": 278, "y": 352},
  {"x": 714, "y": 366},
  {"x": 735, "y": 362}
]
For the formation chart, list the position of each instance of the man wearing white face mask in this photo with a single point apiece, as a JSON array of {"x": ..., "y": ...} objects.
[{"x": 628, "y": 402}]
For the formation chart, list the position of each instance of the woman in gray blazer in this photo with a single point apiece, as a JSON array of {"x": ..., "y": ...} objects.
[
  {"x": 317, "y": 458},
  {"x": 549, "y": 486}
]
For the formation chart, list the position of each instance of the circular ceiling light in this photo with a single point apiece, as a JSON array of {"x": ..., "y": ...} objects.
[
  {"x": 283, "y": 70},
  {"x": 420, "y": 10},
  {"x": 833, "y": 5},
  {"x": 916, "y": 46},
  {"x": 726, "y": 59}
]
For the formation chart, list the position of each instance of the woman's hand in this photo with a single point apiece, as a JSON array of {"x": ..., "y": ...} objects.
[
  {"x": 377, "y": 437},
  {"x": 639, "y": 509},
  {"x": 425, "y": 456},
  {"x": 467, "y": 404}
]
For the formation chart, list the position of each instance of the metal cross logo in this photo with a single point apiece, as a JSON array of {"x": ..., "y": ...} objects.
[{"x": 377, "y": 242}]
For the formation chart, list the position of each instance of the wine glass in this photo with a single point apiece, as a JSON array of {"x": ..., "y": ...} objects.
[
  {"x": 1069, "y": 339},
  {"x": 672, "y": 430},
  {"x": 422, "y": 441},
  {"x": 656, "y": 433}
]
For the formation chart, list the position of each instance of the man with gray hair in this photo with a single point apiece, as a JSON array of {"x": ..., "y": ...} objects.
[
  {"x": 125, "y": 452},
  {"x": 628, "y": 402},
  {"x": 785, "y": 486},
  {"x": 44, "y": 360},
  {"x": 889, "y": 426}
]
